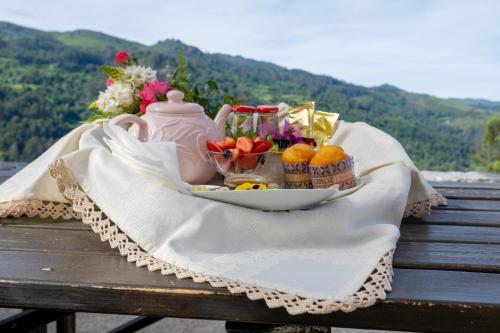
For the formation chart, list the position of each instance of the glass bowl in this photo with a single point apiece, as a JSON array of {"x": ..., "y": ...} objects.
[{"x": 228, "y": 165}]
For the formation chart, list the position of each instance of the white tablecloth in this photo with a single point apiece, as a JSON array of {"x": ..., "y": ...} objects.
[{"x": 337, "y": 256}]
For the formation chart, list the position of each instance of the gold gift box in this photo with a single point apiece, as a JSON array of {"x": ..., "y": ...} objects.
[{"x": 316, "y": 124}]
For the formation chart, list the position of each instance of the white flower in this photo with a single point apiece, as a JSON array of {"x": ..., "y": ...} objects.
[
  {"x": 137, "y": 76},
  {"x": 116, "y": 96}
]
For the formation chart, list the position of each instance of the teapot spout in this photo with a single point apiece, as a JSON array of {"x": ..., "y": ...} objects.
[{"x": 220, "y": 120}]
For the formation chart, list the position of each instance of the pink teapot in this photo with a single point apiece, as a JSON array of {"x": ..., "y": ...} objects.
[{"x": 187, "y": 125}]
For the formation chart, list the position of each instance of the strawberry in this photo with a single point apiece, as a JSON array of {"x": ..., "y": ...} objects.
[
  {"x": 262, "y": 146},
  {"x": 244, "y": 144},
  {"x": 229, "y": 143},
  {"x": 257, "y": 139},
  {"x": 214, "y": 146},
  {"x": 248, "y": 161},
  {"x": 235, "y": 154}
]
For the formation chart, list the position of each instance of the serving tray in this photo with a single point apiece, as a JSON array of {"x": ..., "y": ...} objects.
[{"x": 278, "y": 199}]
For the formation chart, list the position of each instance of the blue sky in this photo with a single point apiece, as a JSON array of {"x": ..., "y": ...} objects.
[{"x": 447, "y": 48}]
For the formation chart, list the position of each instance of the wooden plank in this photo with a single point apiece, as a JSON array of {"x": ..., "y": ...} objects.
[
  {"x": 446, "y": 256},
  {"x": 420, "y": 300},
  {"x": 493, "y": 186},
  {"x": 458, "y": 217},
  {"x": 438, "y": 217},
  {"x": 74, "y": 269},
  {"x": 38, "y": 223},
  {"x": 457, "y": 204},
  {"x": 470, "y": 194},
  {"x": 53, "y": 240},
  {"x": 449, "y": 234},
  {"x": 476, "y": 250}
]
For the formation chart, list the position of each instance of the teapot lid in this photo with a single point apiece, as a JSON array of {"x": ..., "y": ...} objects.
[{"x": 175, "y": 105}]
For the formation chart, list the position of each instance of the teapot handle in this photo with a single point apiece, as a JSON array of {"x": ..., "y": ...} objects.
[
  {"x": 201, "y": 146},
  {"x": 130, "y": 118}
]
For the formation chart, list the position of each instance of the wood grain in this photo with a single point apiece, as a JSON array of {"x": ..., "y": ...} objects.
[
  {"x": 449, "y": 234},
  {"x": 470, "y": 194},
  {"x": 462, "y": 185},
  {"x": 458, "y": 217},
  {"x": 446, "y": 256},
  {"x": 425, "y": 247},
  {"x": 477, "y": 205},
  {"x": 420, "y": 300}
]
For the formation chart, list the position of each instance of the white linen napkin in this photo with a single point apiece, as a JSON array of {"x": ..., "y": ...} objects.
[{"x": 157, "y": 160}]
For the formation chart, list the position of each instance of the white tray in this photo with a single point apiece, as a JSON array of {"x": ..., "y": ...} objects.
[{"x": 280, "y": 199}]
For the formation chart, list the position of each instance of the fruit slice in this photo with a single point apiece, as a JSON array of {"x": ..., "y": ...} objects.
[
  {"x": 257, "y": 139},
  {"x": 229, "y": 143},
  {"x": 214, "y": 146},
  {"x": 248, "y": 161},
  {"x": 245, "y": 144},
  {"x": 262, "y": 146},
  {"x": 235, "y": 154}
]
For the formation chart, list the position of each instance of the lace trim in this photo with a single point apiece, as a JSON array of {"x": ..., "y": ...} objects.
[
  {"x": 32, "y": 208},
  {"x": 374, "y": 289},
  {"x": 422, "y": 208}
]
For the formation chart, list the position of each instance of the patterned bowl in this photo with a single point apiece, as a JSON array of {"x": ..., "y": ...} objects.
[
  {"x": 341, "y": 173},
  {"x": 296, "y": 175}
]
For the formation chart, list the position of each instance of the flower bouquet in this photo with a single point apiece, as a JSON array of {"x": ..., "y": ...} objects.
[{"x": 131, "y": 87}]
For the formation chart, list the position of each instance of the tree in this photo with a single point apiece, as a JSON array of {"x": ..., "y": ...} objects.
[{"x": 488, "y": 154}]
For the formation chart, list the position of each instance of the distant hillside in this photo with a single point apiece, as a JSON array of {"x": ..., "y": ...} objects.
[
  {"x": 47, "y": 80},
  {"x": 480, "y": 103}
]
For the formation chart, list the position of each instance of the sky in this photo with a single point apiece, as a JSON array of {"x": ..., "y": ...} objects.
[{"x": 447, "y": 48}]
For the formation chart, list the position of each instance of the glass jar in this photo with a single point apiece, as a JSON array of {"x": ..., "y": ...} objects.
[
  {"x": 242, "y": 120},
  {"x": 267, "y": 121}
]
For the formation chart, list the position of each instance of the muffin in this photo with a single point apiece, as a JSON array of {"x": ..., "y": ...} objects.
[
  {"x": 330, "y": 166},
  {"x": 296, "y": 165}
]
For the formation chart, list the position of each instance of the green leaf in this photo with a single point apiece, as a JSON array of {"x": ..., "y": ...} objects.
[
  {"x": 103, "y": 115},
  {"x": 93, "y": 106},
  {"x": 114, "y": 73},
  {"x": 212, "y": 85}
]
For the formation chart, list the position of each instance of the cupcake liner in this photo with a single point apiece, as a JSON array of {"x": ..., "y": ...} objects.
[
  {"x": 341, "y": 173},
  {"x": 296, "y": 175}
]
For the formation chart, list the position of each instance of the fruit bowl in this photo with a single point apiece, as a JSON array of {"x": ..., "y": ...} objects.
[
  {"x": 228, "y": 162},
  {"x": 241, "y": 156}
]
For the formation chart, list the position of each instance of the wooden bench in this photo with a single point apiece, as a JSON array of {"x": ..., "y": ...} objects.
[{"x": 447, "y": 277}]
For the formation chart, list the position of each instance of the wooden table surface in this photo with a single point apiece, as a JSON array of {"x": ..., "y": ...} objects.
[{"x": 447, "y": 274}]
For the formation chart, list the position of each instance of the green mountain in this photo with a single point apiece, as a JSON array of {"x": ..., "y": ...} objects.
[
  {"x": 47, "y": 79},
  {"x": 480, "y": 103}
]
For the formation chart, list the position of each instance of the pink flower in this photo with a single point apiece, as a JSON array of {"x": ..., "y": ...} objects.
[
  {"x": 109, "y": 82},
  {"x": 152, "y": 92},
  {"x": 143, "y": 107},
  {"x": 160, "y": 87},
  {"x": 147, "y": 95},
  {"x": 122, "y": 58}
]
